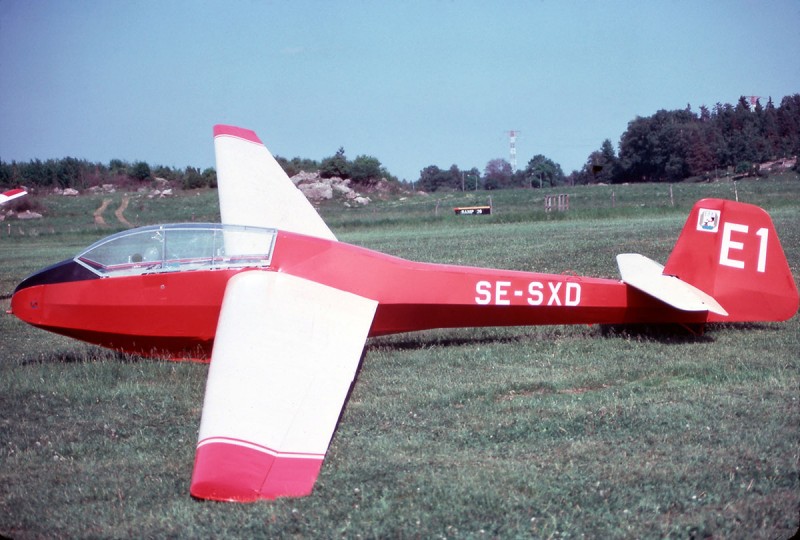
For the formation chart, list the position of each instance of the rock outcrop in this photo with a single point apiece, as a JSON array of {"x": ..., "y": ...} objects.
[{"x": 317, "y": 189}]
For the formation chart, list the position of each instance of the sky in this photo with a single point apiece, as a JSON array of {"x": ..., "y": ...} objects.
[{"x": 412, "y": 83}]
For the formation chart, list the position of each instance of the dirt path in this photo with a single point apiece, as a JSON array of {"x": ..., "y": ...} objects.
[
  {"x": 98, "y": 214},
  {"x": 119, "y": 212}
]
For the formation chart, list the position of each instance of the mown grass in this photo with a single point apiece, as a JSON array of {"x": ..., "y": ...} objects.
[{"x": 516, "y": 432}]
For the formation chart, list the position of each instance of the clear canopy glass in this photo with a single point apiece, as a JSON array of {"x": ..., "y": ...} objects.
[{"x": 189, "y": 246}]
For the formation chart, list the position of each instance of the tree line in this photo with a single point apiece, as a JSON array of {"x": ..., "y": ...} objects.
[
  {"x": 668, "y": 146},
  {"x": 81, "y": 174},
  {"x": 363, "y": 170},
  {"x": 498, "y": 174}
]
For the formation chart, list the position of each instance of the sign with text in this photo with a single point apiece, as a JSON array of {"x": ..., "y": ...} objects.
[{"x": 472, "y": 210}]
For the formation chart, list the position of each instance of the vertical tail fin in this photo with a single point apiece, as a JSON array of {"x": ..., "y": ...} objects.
[{"x": 730, "y": 250}]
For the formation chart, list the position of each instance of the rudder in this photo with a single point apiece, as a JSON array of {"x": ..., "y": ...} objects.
[{"x": 730, "y": 250}]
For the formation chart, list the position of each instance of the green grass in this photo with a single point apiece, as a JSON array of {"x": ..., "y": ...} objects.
[{"x": 518, "y": 432}]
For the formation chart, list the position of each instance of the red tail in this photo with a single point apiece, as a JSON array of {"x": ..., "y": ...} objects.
[{"x": 730, "y": 250}]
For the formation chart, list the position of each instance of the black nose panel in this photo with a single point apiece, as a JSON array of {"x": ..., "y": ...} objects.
[{"x": 64, "y": 271}]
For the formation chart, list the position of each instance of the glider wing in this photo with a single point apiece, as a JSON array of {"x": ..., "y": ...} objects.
[
  {"x": 285, "y": 354},
  {"x": 254, "y": 190},
  {"x": 647, "y": 276},
  {"x": 11, "y": 195}
]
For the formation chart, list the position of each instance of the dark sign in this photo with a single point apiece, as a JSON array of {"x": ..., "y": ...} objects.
[{"x": 472, "y": 210}]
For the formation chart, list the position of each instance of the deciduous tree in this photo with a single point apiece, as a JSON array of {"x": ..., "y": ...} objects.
[
  {"x": 365, "y": 170},
  {"x": 542, "y": 171},
  {"x": 498, "y": 174},
  {"x": 335, "y": 165}
]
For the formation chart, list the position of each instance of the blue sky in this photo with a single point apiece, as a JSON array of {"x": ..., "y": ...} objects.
[{"x": 413, "y": 83}]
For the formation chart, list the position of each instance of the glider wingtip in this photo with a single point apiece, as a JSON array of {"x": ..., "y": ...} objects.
[
  {"x": 235, "y": 473},
  {"x": 235, "y": 131},
  {"x": 11, "y": 194}
]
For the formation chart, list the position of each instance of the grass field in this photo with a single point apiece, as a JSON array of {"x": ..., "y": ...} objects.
[{"x": 547, "y": 432}]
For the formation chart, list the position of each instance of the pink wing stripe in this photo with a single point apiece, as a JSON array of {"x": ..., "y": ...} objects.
[
  {"x": 226, "y": 471},
  {"x": 233, "y": 131},
  {"x": 259, "y": 447},
  {"x": 12, "y": 192}
]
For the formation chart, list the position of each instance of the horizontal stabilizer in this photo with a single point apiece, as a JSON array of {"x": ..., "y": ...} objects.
[{"x": 647, "y": 276}]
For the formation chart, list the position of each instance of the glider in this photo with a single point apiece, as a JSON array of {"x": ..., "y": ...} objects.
[
  {"x": 11, "y": 194},
  {"x": 283, "y": 309}
]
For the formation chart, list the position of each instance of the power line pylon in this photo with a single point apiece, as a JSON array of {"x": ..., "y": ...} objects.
[{"x": 512, "y": 148}]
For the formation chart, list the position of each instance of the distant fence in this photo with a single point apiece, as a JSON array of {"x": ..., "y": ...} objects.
[{"x": 556, "y": 202}]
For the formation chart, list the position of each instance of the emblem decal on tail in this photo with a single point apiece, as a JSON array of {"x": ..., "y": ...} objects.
[{"x": 708, "y": 220}]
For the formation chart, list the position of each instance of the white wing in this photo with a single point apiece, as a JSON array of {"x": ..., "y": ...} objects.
[
  {"x": 285, "y": 354},
  {"x": 12, "y": 194},
  {"x": 647, "y": 276},
  {"x": 254, "y": 190}
]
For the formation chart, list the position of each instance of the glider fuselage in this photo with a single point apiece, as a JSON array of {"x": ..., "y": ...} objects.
[{"x": 174, "y": 313}]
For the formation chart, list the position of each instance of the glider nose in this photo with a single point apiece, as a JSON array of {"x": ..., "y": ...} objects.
[
  {"x": 26, "y": 304},
  {"x": 27, "y": 301}
]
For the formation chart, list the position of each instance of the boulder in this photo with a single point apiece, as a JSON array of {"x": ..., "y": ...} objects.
[
  {"x": 27, "y": 214},
  {"x": 316, "y": 188},
  {"x": 317, "y": 191}
]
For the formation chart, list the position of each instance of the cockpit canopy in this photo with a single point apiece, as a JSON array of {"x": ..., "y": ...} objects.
[{"x": 179, "y": 247}]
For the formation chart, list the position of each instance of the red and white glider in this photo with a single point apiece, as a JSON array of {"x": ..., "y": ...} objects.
[
  {"x": 11, "y": 194},
  {"x": 283, "y": 309}
]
